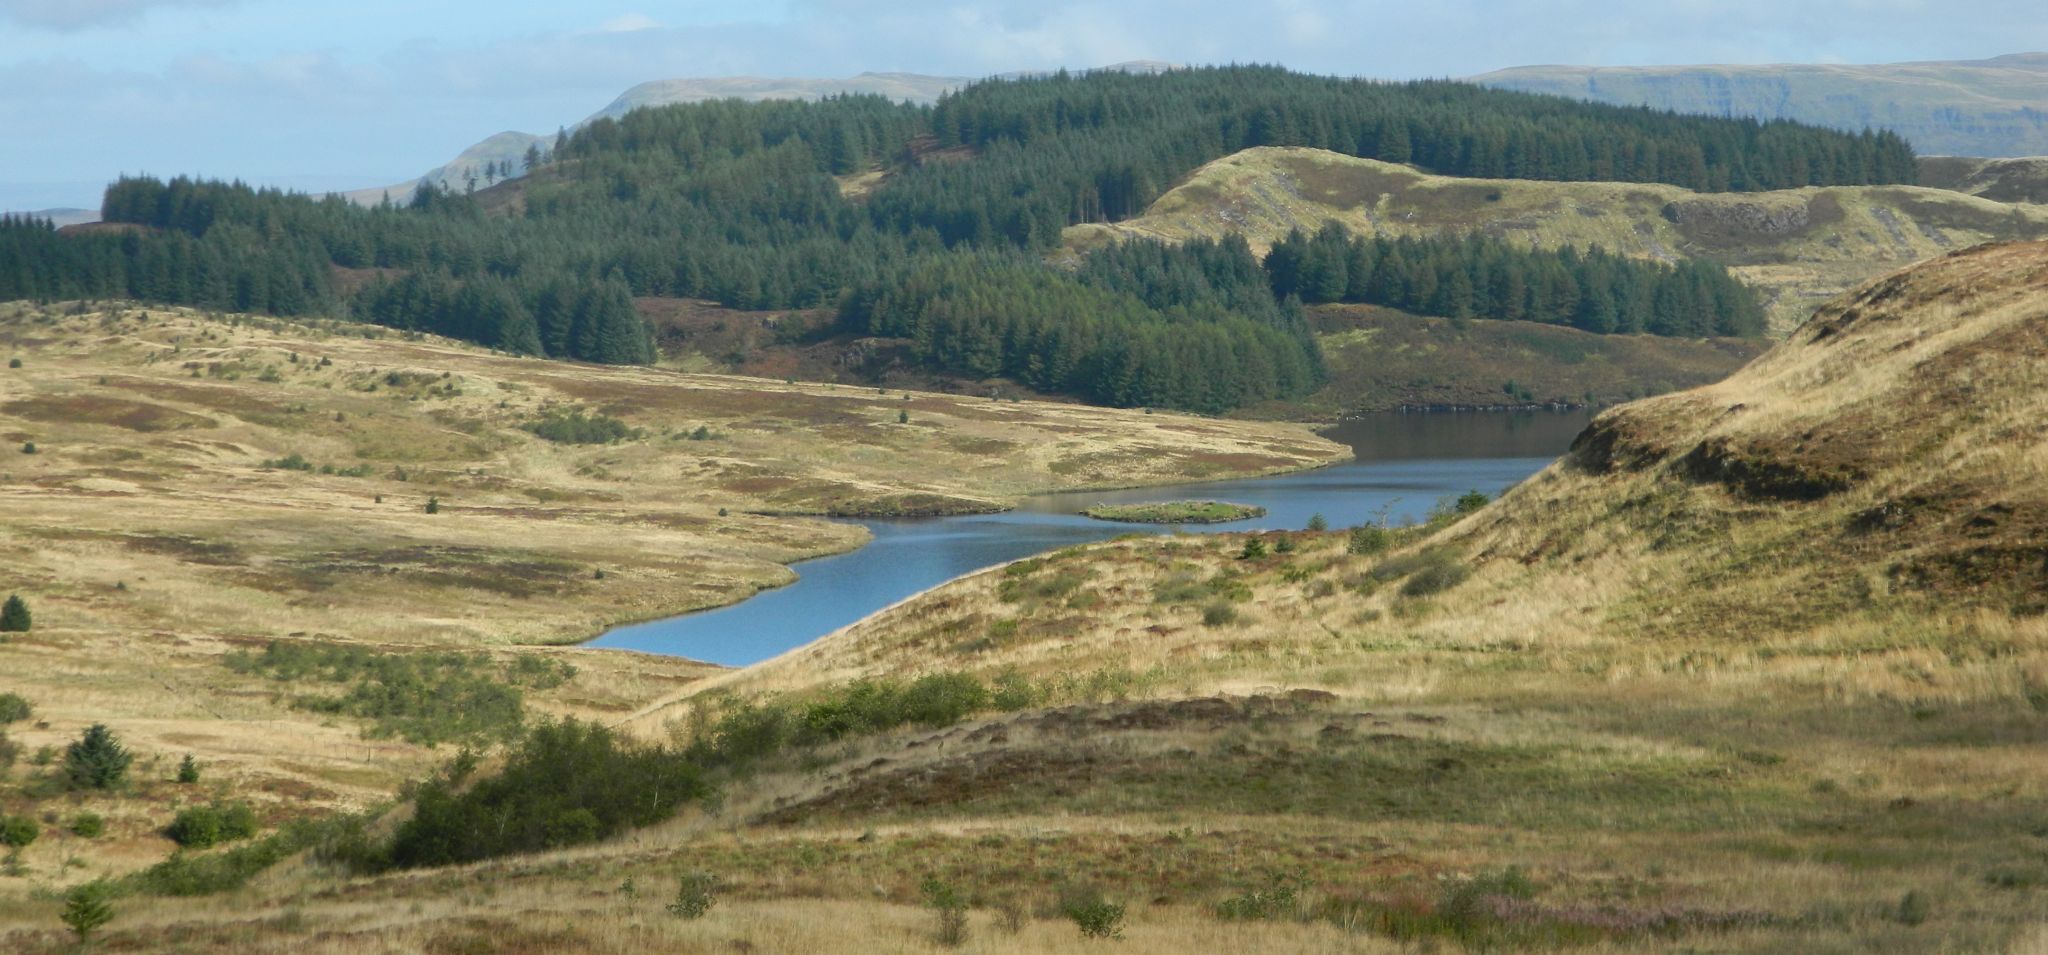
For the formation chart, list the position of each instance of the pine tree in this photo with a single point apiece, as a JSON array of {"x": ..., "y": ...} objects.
[
  {"x": 97, "y": 760},
  {"x": 14, "y": 615},
  {"x": 87, "y": 907}
]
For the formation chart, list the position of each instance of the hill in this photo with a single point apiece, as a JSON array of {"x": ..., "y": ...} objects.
[
  {"x": 511, "y": 146},
  {"x": 1798, "y": 248},
  {"x": 427, "y": 518},
  {"x": 1757, "y": 667},
  {"x": 1994, "y": 107},
  {"x": 2002, "y": 180},
  {"x": 1758, "y": 651},
  {"x": 911, "y": 219},
  {"x": 1382, "y": 360}
]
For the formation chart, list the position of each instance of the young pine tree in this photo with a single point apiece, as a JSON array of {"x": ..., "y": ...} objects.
[
  {"x": 14, "y": 615},
  {"x": 87, "y": 907},
  {"x": 97, "y": 760}
]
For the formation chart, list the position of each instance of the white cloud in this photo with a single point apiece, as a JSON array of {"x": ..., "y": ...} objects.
[
  {"x": 629, "y": 23},
  {"x": 87, "y": 14}
]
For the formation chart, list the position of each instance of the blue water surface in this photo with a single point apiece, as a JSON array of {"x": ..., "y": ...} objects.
[{"x": 1405, "y": 463}]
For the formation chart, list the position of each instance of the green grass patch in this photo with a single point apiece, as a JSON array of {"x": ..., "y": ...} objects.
[
  {"x": 426, "y": 698},
  {"x": 1175, "y": 512}
]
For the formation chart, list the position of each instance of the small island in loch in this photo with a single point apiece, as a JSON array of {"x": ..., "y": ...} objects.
[{"x": 1175, "y": 512}]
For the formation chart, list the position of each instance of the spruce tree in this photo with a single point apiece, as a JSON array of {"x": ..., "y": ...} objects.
[
  {"x": 14, "y": 615},
  {"x": 97, "y": 760},
  {"x": 87, "y": 907}
]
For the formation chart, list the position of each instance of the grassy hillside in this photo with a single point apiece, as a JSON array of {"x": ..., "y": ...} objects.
[
  {"x": 1380, "y": 360},
  {"x": 1989, "y": 107},
  {"x": 2001, "y": 180},
  {"x": 1796, "y": 247},
  {"x": 205, "y": 485},
  {"x": 1757, "y": 667}
]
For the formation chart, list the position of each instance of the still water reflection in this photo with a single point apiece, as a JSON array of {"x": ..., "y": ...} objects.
[{"x": 1405, "y": 462}]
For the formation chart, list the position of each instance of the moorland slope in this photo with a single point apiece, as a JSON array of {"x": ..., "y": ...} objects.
[
  {"x": 182, "y": 490},
  {"x": 1797, "y": 248}
]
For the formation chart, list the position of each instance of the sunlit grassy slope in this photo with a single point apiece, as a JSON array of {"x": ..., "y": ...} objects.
[
  {"x": 1798, "y": 248},
  {"x": 203, "y": 484},
  {"x": 1758, "y": 667},
  {"x": 1769, "y": 654}
]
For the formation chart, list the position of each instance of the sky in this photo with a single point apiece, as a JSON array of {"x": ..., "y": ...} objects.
[{"x": 318, "y": 95}]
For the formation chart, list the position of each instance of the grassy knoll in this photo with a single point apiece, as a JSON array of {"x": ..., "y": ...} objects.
[
  {"x": 1175, "y": 512},
  {"x": 1798, "y": 248},
  {"x": 381, "y": 531}
]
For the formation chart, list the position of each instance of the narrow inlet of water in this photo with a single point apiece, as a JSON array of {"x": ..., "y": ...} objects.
[{"x": 1404, "y": 464}]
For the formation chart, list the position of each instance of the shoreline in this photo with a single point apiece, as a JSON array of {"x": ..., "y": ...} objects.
[{"x": 583, "y": 643}]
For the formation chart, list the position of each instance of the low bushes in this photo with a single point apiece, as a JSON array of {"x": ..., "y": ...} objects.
[
  {"x": 1426, "y": 572},
  {"x": 576, "y": 427},
  {"x": 428, "y": 698},
  {"x": 203, "y": 827},
  {"x": 565, "y": 783}
]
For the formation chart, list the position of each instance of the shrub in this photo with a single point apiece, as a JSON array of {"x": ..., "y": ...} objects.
[
  {"x": 1368, "y": 539},
  {"x": 1013, "y": 691},
  {"x": 338, "y": 839},
  {"x": 203, "y": 827},
  {"x": 188, "y": 770},
  {"x": 1469, "y": 501},
  {"x": 564, "y": 783},
  {"x": 696, "y": 893},
  {"x": 97, "y": 760},
  {"x": 1913, "y": 909},
  {"x": 1096, "y": 916},
  {"x": 88, "y": 825},
  {"x": 428, "y": 698},
  {"x": 290, "y": 462},
  {"x": 28, "y": 447},
  {"x": 1218, "y": 613},
  {"x": 941, "y": 699},
  {"x": 1281, "y": 898},
  {"x": 1254, "y": 549},
  {"x": 9, "y": 752},
  {"x": 17, "y": 832},
  {"x": 196, "y": 827},
  {"x": 1435, "y": 578},
  {"x": 14, "y": 615},
  {"x": 1318, "y": 524},
  {"x": 951, "y": 908},
  {"x": 433, "y": 504},
  {"x": 576, "y": 427},
  {"x": 14, "y": 363},
  {"x": 87, "y": 907},
  {"x": 13, "y": 709}
]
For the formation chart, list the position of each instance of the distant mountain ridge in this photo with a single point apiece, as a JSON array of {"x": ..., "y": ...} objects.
[
  {"x": 511, "y": 145},
  {"x": 1982, "y": 108}
]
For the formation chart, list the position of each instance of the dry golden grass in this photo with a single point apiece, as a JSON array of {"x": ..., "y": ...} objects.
[
  {"x": 150, "y": 537},
  {"x": 1759, "y": 667},
  {"x": 1795, "y": 618}
]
